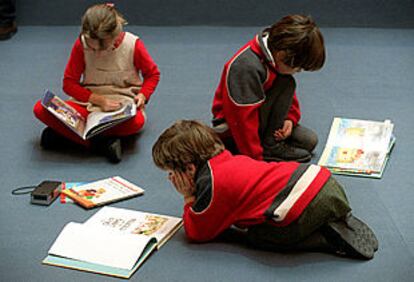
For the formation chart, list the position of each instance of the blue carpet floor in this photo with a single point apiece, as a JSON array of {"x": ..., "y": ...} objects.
[{"x": 368, "y": 75}]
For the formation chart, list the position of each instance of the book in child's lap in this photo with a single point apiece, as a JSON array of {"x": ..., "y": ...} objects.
[
  {"x": 114, "y": 241},
  {"x": 101, "y": 192},
  {"x": 96, "y": 122}
]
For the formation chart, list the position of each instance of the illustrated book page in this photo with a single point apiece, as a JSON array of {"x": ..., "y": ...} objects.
[
  {"x": 357, "y": 146},
  {"x": 125, "y": 221},
  {"x": 103, "y": 191},
  {"x": 95, "y": 123}
]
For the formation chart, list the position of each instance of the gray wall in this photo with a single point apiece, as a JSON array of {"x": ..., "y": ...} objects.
[{"x": 334, "y": 13}]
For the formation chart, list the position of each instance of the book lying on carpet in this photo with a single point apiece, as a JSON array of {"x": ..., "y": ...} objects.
[
  {"x": 64, "y": 199},
  {"x": 95, "y": 123},
  {"x": 114, "y": 241},
  {"x": 101, "y": 192},
  {"x": 358, "y": 147}
]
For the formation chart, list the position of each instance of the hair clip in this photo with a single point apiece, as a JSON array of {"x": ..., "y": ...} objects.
[{"x": 111, "y": 5}]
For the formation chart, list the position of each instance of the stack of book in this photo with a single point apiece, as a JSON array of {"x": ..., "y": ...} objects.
[{"x": 358, "y": 147}]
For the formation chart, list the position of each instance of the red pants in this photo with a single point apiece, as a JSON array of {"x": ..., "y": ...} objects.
[{"x": 129, "y": 127}]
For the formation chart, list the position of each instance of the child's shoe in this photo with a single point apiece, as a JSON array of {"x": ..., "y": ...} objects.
[
  {"x": 282, "y": 151},
  {"x": 50, "y": 139},
  {"x": 110, "y": 147},
  {"x": 358, "y": 225},
  {"x": 347, "y": 241}
]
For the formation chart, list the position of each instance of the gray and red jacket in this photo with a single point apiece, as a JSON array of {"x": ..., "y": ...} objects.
[
  {"x": 245, "y": 80},
  {"x": 253, "y": 193}
]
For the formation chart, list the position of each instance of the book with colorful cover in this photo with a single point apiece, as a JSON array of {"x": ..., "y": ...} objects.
[
  {"x": 101, "y": 192},
  {"x": 95, "y": 123},
  {"x": 134, "y": 236},
  {"x": 64, "y": 199},
  {"x": 358, "y": 147}
]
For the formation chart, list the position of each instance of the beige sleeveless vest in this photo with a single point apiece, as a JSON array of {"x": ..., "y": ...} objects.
[{"x": 112, "y": 72}]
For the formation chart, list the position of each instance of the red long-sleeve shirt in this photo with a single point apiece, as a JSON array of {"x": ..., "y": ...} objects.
[
  {"x": 253, "y": 193},
  {"x": 76, "y": 66}
]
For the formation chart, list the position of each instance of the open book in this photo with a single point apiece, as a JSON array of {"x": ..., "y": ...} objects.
[
  {"x": 358, "y": 147},
  {"x": 101, "y": 192},
  {"x": 96, "y": 122},
  {"x": 114, "y": 241}
]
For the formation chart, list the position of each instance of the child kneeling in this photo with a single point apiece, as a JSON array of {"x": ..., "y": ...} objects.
[{"x": 280, "y": 205}]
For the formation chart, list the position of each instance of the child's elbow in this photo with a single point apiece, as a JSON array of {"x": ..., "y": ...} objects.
[{"x": 197, "y": 236}]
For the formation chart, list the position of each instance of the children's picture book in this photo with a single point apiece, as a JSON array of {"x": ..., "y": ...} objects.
[
  {"x": 95, "y": 123},
  {"x": 64, "y": 199},
  {"x": 358, "y": 147},
  {"x": 101, "y": 192},
  {"x": 114, "y": 241}
]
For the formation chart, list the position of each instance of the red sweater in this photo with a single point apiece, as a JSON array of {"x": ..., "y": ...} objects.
[
  {"x": 251, "y": 194},
  {"x": 242, "y": 91},
  {"x": 76, "y": 66}
]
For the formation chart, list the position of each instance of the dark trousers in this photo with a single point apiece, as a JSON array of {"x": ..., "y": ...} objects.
[
  {"x": 329, "y": 205},
  {"x": 7, "y": 12},
  {"x": 274, "y": 111}
]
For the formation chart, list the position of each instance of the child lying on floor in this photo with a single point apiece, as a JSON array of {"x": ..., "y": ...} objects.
[{"x": 280, "y": 205}]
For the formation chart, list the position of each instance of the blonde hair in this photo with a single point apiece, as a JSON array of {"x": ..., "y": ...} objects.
[
  {"x": 301, "y": 39},
  {"x": 185, "y": 142},
  {"x": 101, "y": 21}
]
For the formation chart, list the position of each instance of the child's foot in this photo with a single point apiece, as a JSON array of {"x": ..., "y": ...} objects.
[
  {"x": 114, "y": 150},
  {"x": 50, "y": 139},
  {"x": 110, "y": 147},
  {"x": 281, "y": 151},
  {"x": 358, "y": 225},
  {"x": 347, "y": 241}
]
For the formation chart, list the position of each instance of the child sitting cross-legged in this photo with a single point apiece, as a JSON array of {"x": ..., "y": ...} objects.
[
  {"x": 106, "y": 68},
  {"x": 279, "y": 206}
]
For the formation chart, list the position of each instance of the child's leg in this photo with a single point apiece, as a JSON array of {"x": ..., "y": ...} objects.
[
  {"x": 329, "y": 205},
  {"x": 129, "y": 127},
  {"x": 304, "y": 138},
  {"x": 51, "y": 121},
  {"x": 272, "y": 116},
  {"x": 276, "y": 106}
]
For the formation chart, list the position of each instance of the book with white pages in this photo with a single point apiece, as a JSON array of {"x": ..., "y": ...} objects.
[{"x": 114, "y": 241}]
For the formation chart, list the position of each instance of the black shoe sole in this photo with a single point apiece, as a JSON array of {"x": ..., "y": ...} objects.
[
  {"x": 360, "y": 227},
  {"x": 348, "y": 242}
]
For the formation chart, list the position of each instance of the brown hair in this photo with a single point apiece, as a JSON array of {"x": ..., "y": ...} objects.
[
  {"x": 185, "y": 142},
  {"x": 301, "y": 39},
  {"x": 101, "y": 21}
]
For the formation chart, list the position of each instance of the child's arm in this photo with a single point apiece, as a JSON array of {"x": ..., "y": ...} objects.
[
  {"x": 241, "y": 108},
  {"x": 149, "y": 70},
  {"x": 202, "y": 225},
  {"x": 73, "y": 72}
]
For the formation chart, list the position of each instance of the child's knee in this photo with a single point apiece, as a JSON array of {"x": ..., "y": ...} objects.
[
  {"x": 38, "y": 110},
  {"x": 138, "y": 122}
]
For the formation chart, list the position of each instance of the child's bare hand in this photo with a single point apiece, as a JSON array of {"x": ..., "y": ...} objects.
[
  {"x": 140, "y": 101},
  {"x": 183, "y": 183},
  {"x": 110, "y": 105},
  {"x": 106, "y": 104},
  {"x": 285, "y": 131}
]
